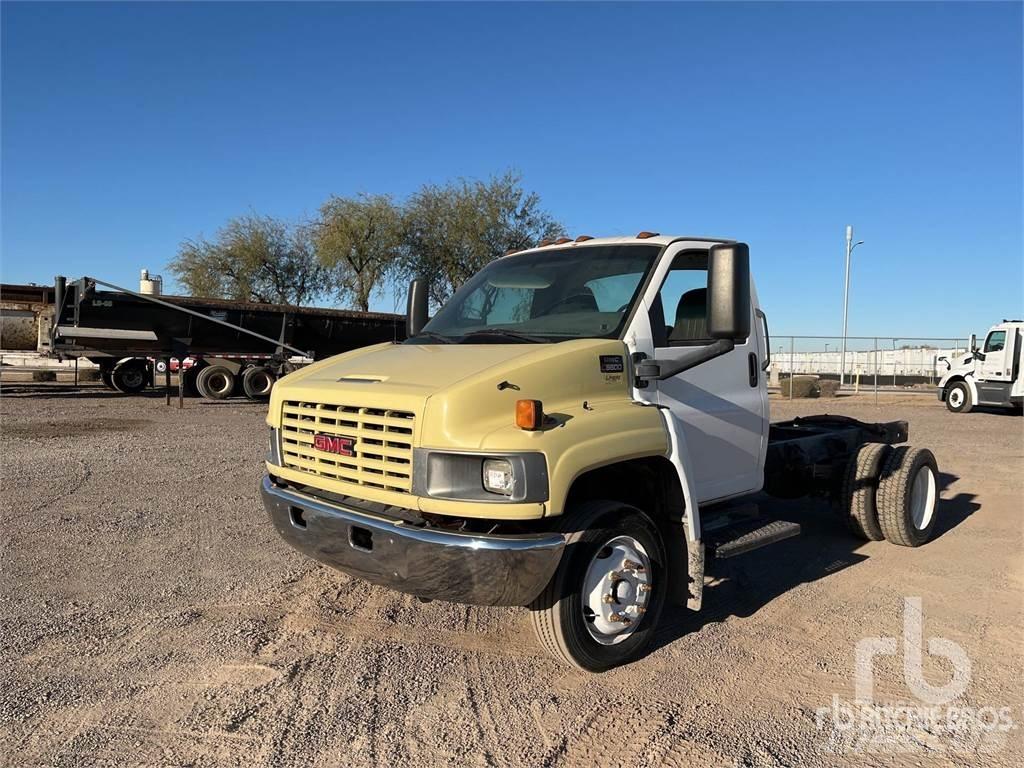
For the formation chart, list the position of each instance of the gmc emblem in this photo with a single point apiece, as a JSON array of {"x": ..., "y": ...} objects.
[{"x": 332, "y": 444}]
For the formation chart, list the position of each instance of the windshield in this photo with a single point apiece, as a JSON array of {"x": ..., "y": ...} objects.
[{"x": 545, "y": 296}]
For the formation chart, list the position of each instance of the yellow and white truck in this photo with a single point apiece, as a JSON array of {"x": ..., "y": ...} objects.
[{"x": 575, "y": 431}]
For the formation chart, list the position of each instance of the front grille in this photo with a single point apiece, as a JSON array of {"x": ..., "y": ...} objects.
[{"x": 382, "y": 449}]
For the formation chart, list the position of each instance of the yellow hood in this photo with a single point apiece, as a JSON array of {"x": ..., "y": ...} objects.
[{"x": 459, "y": 382}]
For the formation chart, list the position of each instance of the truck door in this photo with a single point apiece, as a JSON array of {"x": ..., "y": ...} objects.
[
  {"x": 997, "y": 364},
  {"x": 721, "y": 403}
]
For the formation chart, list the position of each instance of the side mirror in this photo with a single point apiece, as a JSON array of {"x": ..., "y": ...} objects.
[
  {"x": 972, "y": 345},
  {"x": 416, "y": 308},
  {"x": 729, "y": 292}
]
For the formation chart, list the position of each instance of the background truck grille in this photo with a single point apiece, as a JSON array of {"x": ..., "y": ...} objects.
[{"x": 383, "y": 443}]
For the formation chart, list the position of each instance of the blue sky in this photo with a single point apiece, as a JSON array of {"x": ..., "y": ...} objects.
[{"x": 130, "y": 127}]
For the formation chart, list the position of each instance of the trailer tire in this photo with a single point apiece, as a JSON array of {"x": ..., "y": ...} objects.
[
  {"x": 106, "y": 376},
  {"x": 130, "y": 377},
  {"x": 857, "y": 502},
  {"x": 563, "y": 615},
  {"x": 908, "y": 493},
  {"x": 958, "y": 397},
  {"x": 215, "y": 382},
  {"x": 257, "y": 382}
]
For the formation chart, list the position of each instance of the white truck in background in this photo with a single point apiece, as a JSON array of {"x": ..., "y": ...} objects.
[{"x": 990, "y": 376}]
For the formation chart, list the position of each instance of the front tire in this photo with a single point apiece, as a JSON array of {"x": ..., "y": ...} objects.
[
  {"x": 602, "y": 605},
  {"x": 908, "y": 493},
  {"x": 958, "y": 397}
]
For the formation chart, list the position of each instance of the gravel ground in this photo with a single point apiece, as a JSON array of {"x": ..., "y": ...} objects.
[{"x": 150, "y": 615}]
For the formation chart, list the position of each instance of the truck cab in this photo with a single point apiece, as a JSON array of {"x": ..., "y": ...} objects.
[
  {"x": 989, "y": 375},
  {"x": 575, "y": 430}
]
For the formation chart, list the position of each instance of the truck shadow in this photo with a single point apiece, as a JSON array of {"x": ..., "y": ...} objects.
[{"x": 741, "y": 586}]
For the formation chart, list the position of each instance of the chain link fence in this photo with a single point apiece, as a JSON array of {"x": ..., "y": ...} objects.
[{"x": 875, "y": 363}]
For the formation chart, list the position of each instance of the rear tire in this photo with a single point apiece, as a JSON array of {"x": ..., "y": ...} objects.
[
  {"x": 215, "y": 382},
  {"x": 857, "y": 497},
  {"x": 106, "y": 376},
  {"x": 257, "y": 383},
  {"x": 958, "y": 397},
  {"x": 908, "y": 494},
  {"x": 596, "y": 613},
  {"x": 131, "y": 377}
]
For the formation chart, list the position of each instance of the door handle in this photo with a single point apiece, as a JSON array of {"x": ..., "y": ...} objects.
[{"x": 752, "y": 368}]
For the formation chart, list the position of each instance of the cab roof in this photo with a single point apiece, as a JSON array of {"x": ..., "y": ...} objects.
[{"x": 649, "y": 239}]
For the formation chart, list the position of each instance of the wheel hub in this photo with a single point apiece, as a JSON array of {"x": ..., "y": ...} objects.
[
  {"x": 616, "y": 590},
  {"x": 956, "y": 398},
  {"x": 922, "y": 498}
]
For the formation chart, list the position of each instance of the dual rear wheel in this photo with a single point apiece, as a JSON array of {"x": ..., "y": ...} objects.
[{"x": 891, "y": 493}]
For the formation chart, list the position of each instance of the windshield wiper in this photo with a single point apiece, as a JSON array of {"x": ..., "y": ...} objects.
[
  {"x": 508, "y": 334},
  {"x": 434, "y": 336}
]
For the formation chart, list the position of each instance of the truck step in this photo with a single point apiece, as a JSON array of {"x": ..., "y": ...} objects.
[{"x": 747, "y": 540}]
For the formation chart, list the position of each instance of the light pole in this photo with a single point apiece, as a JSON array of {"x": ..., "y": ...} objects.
[{"x": 850, "y": 245}]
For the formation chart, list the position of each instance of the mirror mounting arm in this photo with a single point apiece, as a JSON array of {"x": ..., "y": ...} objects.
[{"x": 660, "y": 370}]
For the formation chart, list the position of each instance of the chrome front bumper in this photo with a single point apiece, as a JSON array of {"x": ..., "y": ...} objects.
[{"x": 460, "y": 567}]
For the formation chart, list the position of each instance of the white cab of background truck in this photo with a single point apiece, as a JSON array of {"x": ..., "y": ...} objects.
[{"x": 989, "y": 375}]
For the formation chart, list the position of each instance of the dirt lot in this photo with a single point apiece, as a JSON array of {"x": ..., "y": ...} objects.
[{"x": 151, "y": 616}]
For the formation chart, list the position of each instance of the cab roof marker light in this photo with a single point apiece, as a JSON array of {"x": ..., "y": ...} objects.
[
  {"x": 563, "y": 240},
  {"x": 583, "y": 238},
  {"x": 545, "y": 242},
  {"x": 645, "y": 234}
]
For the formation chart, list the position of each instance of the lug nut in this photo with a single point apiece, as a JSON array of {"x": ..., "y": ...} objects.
[
  {"x": 644, "y": 588},
  {"x": 630, "y": 565},
  {"x": 608, "y": 599},
  {"x": 616, "y": 617}
]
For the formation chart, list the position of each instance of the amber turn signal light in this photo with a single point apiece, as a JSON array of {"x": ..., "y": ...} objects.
[{"x": 529, "y": 414}]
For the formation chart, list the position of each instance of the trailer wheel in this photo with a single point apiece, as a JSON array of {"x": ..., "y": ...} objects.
[
  {"x": 106, "y": 376},
  {"x": 130, "y": 377},
  {"x": 958, "y": 397},
  {"x": 857, "y": 496},
  {"x": 602, "y": 605},
  {"x": 215, "y": 382},
  {"x": 257, "y": 383},
  {"x": 908, "y": 493}
]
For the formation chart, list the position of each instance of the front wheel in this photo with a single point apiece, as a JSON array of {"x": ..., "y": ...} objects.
[
  {"x": 602, "y": 605},
  {"x": 958, "y": 398}
]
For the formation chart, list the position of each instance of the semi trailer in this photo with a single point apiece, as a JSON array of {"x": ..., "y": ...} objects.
[
  {"x": 990, "y": 376},
  {"x": 577, "y": 430},
  {"x": 232, "y": 347}
]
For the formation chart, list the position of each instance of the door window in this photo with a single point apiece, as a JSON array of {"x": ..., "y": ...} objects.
[
  {"x": 679, "y": 313},
  {"x": 995, "y": 341}
]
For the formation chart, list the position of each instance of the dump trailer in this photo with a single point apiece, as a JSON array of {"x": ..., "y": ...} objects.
[
  {"x": 576, "y": 430},
  {"x": 234, "y": 346}
]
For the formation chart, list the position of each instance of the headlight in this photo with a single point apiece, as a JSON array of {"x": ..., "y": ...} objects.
[
  {"x": 515, "y": 477},
  {"x": 498, "y": 476}
]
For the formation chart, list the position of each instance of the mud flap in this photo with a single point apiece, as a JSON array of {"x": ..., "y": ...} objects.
[{"x": 695, "y": 574}]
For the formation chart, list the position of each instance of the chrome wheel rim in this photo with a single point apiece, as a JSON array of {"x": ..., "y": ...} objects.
[
  {"x": 922, "y": 497},
  {"x": 617, "y": 589}
]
